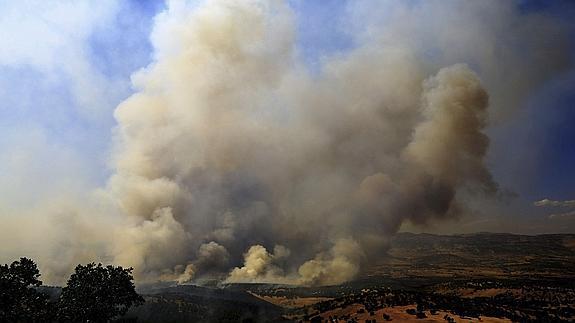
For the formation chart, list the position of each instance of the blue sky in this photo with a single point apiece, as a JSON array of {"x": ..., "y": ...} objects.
[
  {"x": 551, "y": 115},
  {"x": 61, "y": 79}
]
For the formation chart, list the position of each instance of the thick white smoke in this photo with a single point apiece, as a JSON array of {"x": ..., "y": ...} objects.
[
  {"x": 229, "y": 141},
  {"x": 232, "y": 161}
]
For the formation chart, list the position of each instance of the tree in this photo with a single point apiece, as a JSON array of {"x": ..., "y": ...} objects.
[
  {"x": 19, "y": 299},
  {"x": 95, "y": 293}
]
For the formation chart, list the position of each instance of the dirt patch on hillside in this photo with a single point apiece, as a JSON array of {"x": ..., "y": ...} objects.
[
  {"x": 400, "y": 314},
  {"x": 294, "y": 302}
]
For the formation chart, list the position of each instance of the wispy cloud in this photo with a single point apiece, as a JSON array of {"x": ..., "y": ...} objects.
[
  {"x": 553, "y": 203},
  {"x": 570, "y": 214},
  {"x": 558, "y": 204}
]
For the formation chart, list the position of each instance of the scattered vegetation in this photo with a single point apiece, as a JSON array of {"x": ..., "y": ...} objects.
[{"x": 532, "y": 302}]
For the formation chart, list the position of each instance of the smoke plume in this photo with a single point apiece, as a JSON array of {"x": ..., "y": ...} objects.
[
  {"x": 230, "y": 142},
  {"x": 233, "y": 161}
]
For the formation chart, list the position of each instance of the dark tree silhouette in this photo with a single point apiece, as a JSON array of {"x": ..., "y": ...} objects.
[
  {"x": 19, "y": 299},
  {"x": 97, "y": 294}
]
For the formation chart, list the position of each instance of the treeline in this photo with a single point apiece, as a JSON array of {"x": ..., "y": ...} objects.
[{"x": 93, "y": 293}]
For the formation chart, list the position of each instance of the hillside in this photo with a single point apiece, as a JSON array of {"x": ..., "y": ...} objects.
[
  {"x": 484, "y": 276},
  {"x": 478, "y": 255}
]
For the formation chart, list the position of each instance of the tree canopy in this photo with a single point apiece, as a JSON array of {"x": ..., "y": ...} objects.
[
  {"x": 98, "y": 293},
  {"x": 94, "y": 293},
  {"x": 19, "y": 299}
]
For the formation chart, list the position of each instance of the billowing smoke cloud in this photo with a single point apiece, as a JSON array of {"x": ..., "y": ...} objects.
[
  {"x": 261, "y": 266},
  {"x": 340, "y": 264},
  {"x": 229, "y": 134},
  {"x": 233, "y": 161}
]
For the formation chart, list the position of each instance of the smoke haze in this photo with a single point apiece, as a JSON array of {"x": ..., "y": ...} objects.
[{"x": 232, "y": 161}]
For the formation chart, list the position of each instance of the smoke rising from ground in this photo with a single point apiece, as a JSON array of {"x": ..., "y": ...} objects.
[
  {"x": 229, "y": 141},
  {"x": 233, "y": 161}
]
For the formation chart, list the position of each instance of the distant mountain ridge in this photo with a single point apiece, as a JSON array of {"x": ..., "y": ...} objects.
[{"x": 478, "y": 254}]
